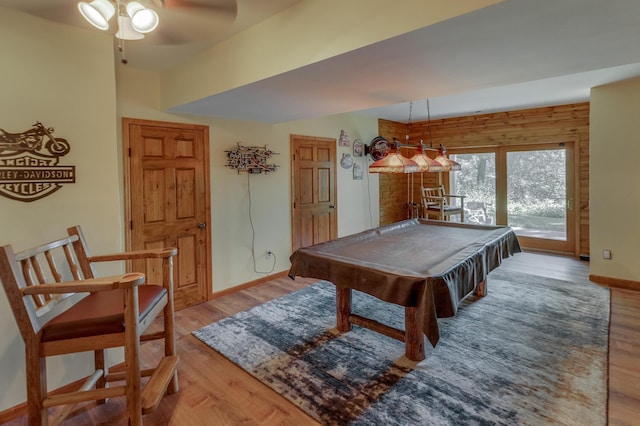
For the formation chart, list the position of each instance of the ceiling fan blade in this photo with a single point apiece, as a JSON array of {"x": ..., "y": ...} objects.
[
  {"x": 62, "y": 11},
  {"x": 179, "y": 26},
  {"x": 229, "y": 8}
]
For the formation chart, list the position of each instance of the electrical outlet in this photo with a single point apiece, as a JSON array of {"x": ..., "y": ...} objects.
[
  {"x": 268, "y": 254},
  {"x": 606, "y": 254}
]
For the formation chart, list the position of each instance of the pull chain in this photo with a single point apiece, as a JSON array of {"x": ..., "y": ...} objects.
[
  {"x": 123, "y": 55},
  {"x": 409, "y": 123},
  {"x": 429, "y": 124}
]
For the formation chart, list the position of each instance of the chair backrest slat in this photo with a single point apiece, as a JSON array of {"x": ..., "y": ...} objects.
[
  {"x": 82, "y": 253},
  {"x": 53, "y": 262},
  {"x": 431, "y": 196},
  {"x": 27, "y": 274},
  {"x": 42, "y": 279},
  {"x": 57, "y": 276},
  {"x": 72, "y": 262},
  {"x": 13, "y": 272}
]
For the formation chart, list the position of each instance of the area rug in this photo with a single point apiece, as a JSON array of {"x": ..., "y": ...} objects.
[{"x": 534, "y": 351}]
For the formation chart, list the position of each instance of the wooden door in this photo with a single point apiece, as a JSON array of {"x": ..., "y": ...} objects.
[
  {"x": 313, "y": 185},
  {"x": 167, "y": 201}
]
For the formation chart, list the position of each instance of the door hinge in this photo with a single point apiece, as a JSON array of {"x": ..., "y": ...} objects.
[
  {"x": 131, "y": 224},
  {"x": 129, "y": 152}
]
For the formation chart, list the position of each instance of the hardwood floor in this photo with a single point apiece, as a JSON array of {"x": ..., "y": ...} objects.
[{"x": 213, "y": 391}]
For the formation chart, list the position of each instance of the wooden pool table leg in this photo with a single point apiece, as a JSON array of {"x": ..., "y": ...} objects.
[
  {"x": 413, "y": 335},
  {"x": 414, "y": 338},
  {"x": 343, "y": 309},
  {"x": 481, "y": 289}
]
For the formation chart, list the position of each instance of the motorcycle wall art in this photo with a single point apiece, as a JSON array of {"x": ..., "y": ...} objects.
[{"x": 29, "y": 168}]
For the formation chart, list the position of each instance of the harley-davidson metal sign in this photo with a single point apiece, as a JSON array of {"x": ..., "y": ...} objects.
[{"x": 29, "y": 168}]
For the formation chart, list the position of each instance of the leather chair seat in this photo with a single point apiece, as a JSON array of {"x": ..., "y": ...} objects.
[{"x": 99, "y": 313}]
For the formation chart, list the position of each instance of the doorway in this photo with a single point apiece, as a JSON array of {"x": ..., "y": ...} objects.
[
  {"x": 313, "y": 188},
  {"x": 530, "y": 188},
  {"x": 167, "y": 202}
]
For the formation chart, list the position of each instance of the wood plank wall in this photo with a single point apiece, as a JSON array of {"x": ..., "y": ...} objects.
[
  {"x": 393, "y": 187},
  {"x": 562, "y": 123}
]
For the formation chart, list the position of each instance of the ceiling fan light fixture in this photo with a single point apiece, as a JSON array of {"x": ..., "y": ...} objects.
[
  {"x": 143, "y": 20},
  {"x": 97, "y": 13},
  {"x": 126, "y": 30}
]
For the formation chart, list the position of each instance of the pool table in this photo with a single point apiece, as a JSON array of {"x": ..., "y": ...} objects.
[{"x": 426, "y": 266}]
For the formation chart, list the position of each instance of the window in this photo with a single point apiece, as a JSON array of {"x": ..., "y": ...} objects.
[{"x": 529, "y": 188}]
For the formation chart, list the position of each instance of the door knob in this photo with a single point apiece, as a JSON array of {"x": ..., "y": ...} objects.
[
  {"x": 202, "y": 225},
  {"x": 331, "y": 206}
]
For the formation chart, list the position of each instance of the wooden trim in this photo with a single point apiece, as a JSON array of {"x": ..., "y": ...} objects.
[
  {"x": 12, "y": 413},
  {"x": 576, "y": 204},
  {"x": 615, "y": 282},
  {"x": 240, "y": 287},
  {"x": 126, "y": 184}
]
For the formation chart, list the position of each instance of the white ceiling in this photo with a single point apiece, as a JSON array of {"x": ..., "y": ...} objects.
[{"x": 515, "y": 54}]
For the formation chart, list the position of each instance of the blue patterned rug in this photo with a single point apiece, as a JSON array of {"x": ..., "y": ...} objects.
[{"x": 532, "y": 352}]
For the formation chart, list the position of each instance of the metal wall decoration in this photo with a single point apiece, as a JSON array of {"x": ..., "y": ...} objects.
[
  {"x": 358, "y": 148},
  {"x": 347, "y": 161},
  {"x": 378, "y": 148},
  {"x": 29, "y": 168},
  {"x": 344, "y": 139},
  {"x": 251, "y": 159},
  {"x": 357, "y": 171}
]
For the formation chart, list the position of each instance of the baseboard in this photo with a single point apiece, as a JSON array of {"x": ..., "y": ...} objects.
[
  {"x": 12, "y": 413},
  {"x": 249, "y": 284},
  {"x": 615, "y": 282},
  {"x": 20, "y": 410}
]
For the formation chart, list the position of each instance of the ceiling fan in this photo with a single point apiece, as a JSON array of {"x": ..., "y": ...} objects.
[{"x": 179, "y": 21}]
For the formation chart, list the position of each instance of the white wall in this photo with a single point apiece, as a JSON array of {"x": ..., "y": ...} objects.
[
  {"x": 63, "y": 77},
  {"x": 232, "y": 235},
  {"x": 69, "y": 83},
  {"x": 614, "y": 176}
]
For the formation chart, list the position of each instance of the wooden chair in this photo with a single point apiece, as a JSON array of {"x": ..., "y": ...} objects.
[
  {"x": 436, "y": 203},
  {"x": 476, "y": 212},
  {"x": 62, "y": 307}
]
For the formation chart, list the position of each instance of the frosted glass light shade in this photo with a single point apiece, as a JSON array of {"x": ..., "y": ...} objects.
[
  {"x": 126, "y": 30},
  {"x": 98, "y": 12},
  {"x": 143, "y": 20}
]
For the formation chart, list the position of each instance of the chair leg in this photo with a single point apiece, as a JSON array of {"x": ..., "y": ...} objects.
[
  {"x": 99, "y": 364},
  {"x": 170, "y": 345},
  {"x": 132, "y": 358},
  {"x": 36, "y": 387},
  {"x": 169, "y": 321}
]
